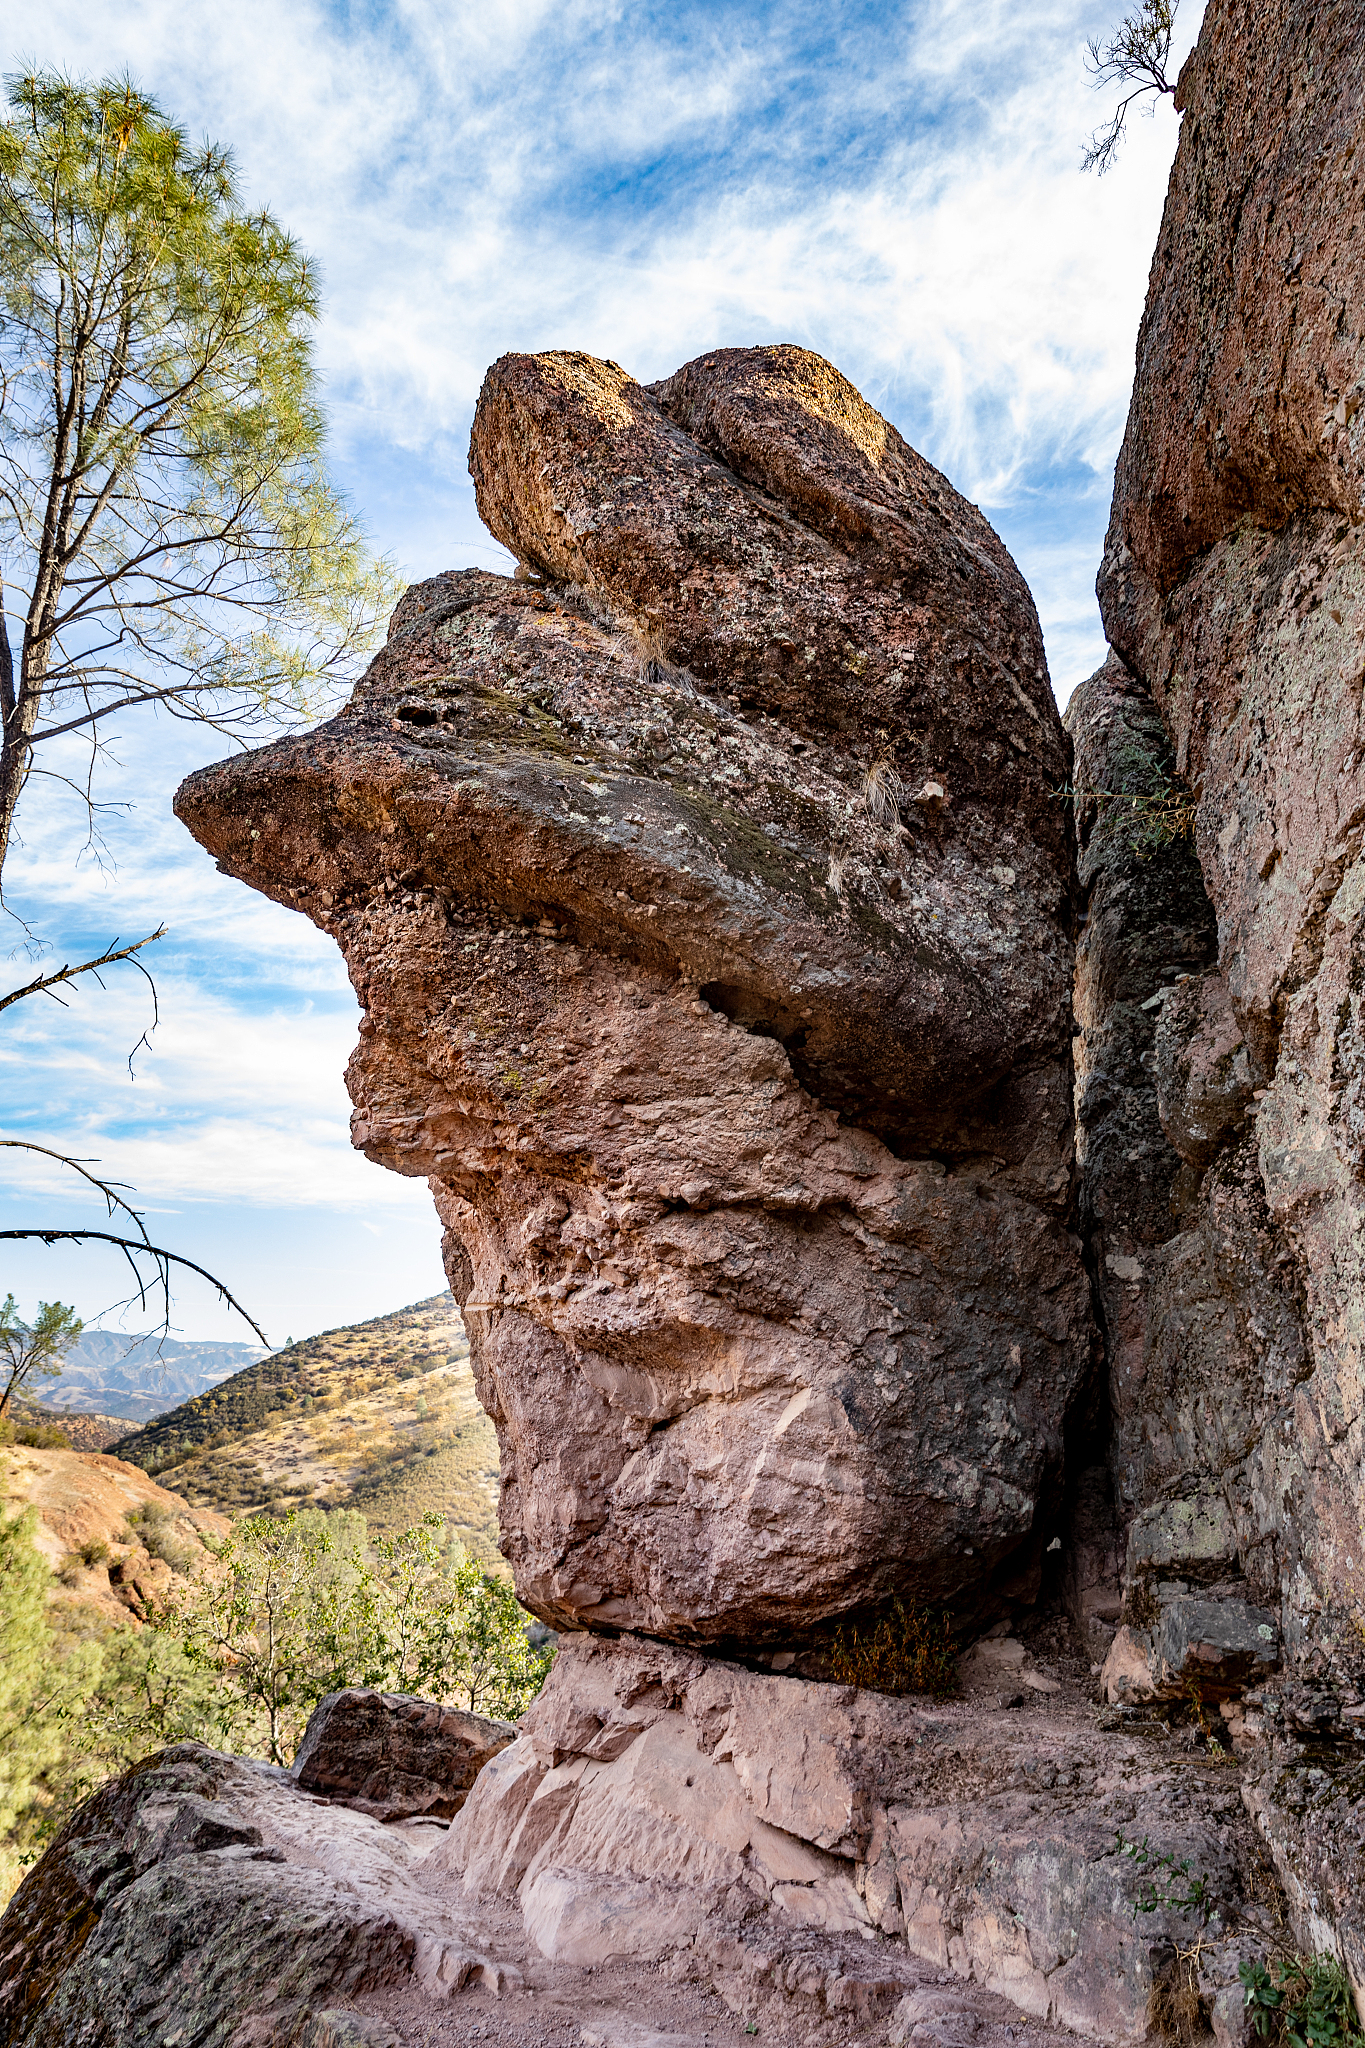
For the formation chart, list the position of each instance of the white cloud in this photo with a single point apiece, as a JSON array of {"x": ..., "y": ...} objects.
[{"x": 896, "y": 186}]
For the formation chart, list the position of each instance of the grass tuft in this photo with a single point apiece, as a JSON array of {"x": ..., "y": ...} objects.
[{"x": 907, "y": 1650}]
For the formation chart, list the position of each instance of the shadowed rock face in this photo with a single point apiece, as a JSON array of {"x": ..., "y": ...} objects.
[
  {"x": 709, "y": 910},
  {"x": 1233, "y": 585}
]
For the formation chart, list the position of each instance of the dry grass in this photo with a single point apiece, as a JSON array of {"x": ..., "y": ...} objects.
[
  {"x": 905, "y": 1651},
  {"x": 1177, "y": 2010},
  {"x": 883, "y": 793}
]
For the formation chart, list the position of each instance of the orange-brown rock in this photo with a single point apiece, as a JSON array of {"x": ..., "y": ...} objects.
[
  {"x": 709, "y": 908},
  {"x": 84, "y": 1501}
]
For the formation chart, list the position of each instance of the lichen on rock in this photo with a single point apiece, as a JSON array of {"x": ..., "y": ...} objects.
[{"x": 709, "y": 906}]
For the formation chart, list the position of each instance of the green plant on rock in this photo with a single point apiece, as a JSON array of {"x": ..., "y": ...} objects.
[
  {"x": 1168, "y": 1885},
  {"x": 1302, "y": 2002},
  {"x": 905, "y": 1650},
  {"x": 1159, "y": 817}
]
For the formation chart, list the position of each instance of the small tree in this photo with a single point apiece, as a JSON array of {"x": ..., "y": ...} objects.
[
  {"x": 167, "y": 527},
  {"x": 1137, "y": 54},
  {"x": 496, "y": 1669},
  {"x": 36, "y": 1351},
  {"x": 40, "y": 1693},
  {"x": 278, "y": 1618}
]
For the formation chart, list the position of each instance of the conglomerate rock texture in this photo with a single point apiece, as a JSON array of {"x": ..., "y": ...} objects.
[
  {"x": 709, "y": 904},
  {"x": 1233, "y": 588}
]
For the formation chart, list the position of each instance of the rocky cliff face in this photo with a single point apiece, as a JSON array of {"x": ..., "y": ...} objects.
[
  {"x": 710, "y": 911},
  {"x": 1233, "y": 587}
]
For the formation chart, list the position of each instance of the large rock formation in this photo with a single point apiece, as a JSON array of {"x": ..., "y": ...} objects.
[
  {"x": 1221, "y": 1070},
  {"x": 1233, "y": 587},
  {"x": 709, "y": 905},
  {"x": 659, "y": 1803}
]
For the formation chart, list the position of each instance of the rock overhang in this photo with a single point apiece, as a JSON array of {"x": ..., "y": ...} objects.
[{"x": 709, "y": 907}]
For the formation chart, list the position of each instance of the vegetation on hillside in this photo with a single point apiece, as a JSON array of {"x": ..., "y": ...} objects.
[
  {"x": 31, "y": 1352},
  {"x": 382, "y": 1417},
  {"x": 34, "y": 1422},
  {"x": 252, "y": 1632}
]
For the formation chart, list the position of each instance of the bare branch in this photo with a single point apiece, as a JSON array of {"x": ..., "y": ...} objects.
[
  {"x": 1138, "y": 53},
  {"x": 45, "y": 983},
  {"x": 131, "y": 1245}
]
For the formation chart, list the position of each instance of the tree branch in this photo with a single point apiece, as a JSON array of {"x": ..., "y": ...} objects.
[
  {"x": 45, "y": 983},
  {"x": 132, "y": 1245}
]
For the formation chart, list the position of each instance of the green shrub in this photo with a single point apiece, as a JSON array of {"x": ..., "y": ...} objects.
[
  {"x": 1303, "y": 2002},
  {"x": 42, "y": 1694},
  {"x": 905, "y": 1651},
  {"x": 155, "y": 1528}
]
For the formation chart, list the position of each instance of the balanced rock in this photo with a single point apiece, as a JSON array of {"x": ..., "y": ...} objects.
[
  {"x": 393, "y": 1756},
  {"x": 708, "y": 904}
]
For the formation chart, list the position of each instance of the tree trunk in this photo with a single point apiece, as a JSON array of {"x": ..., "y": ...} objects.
[{"x": 16, "y": 752}]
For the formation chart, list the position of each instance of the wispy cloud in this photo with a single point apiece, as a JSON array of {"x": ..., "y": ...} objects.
[{"x": 894, "y": 185}]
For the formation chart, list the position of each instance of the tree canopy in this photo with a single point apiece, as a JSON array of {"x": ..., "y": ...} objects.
[
  {"x": 1137, "y": 54},
  {"x": 169, "y": 534}
]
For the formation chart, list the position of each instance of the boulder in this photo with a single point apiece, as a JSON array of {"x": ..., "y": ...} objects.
[
  {"x": 393, "y": 1756},
  {"x": 708, "y": 902},
  {"x": 206, "y": 1897},
  {"x": 677, "y": 1806},
  {"x": 1215, "y": 1647}
]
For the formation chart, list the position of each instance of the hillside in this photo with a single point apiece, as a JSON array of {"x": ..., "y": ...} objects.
[
  {"x": 112, "y": 1536},
  {"x": 381, "y": 1416},
  {"x": 78, "y": 1429},
  {"x": 138, "y": 1377}
]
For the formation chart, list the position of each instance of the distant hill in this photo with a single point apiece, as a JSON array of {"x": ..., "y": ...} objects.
[
  {"x": 80, "y": 1430},
  {"x": 137, "y": 1377},
  {"x": 381, "y": 1416}
]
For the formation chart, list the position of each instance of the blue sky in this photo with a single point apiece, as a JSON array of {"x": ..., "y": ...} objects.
[{"x": 895, "y": 186}]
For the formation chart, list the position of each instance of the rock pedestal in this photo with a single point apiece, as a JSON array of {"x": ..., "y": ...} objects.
[{"x": 708, "y": 902}]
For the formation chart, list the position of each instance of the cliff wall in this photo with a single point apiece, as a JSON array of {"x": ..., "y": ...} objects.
[{"x": 1233, "y": 589}]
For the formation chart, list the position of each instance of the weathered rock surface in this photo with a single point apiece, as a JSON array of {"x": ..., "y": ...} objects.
[
  {"x": 660, "y": 1804},
  {"x": 394, "y": 1756},
  {"x": 204, "y": 1899},
  {"x": 1308, "y": 1799},
  {"x": 669, "y": 1836},
  {"x": 1233, "y": 587},
  {"x": 1198, "y": 1295},
  {"x": 709, "y": 908}
]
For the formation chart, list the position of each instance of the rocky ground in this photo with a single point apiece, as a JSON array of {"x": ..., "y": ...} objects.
[{"x": 1018, "y": 1863}]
